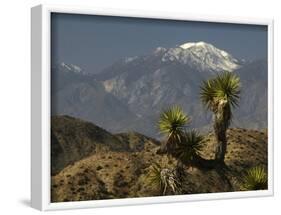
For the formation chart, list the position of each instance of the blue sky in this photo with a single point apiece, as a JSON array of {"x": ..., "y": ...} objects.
[{"x": 94, "y": 42}]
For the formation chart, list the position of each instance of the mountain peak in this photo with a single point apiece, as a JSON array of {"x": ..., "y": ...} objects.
[{"x": 203, "y": 56}]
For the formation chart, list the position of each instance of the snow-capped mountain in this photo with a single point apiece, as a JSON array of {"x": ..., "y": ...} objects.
[
  {"x": 203, "y": 56},
  {"x": 163, "y": 71},
  {"x": 143, "y": 86},
  {"x": 200, "y": 55}
]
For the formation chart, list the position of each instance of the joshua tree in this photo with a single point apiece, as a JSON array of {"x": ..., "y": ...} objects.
[
  {"x": 220, "y": 95},
  {"x": 255, "y": 179},
  {"x": 172, "y": 123}
]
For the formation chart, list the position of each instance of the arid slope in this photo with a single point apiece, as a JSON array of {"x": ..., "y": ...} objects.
[{"x": 109, "y": 173}]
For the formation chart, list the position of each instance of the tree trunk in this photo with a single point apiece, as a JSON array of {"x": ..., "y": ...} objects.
[
  {"x": 220, "y": 135},
  {"x": 180, "y": 169},
  {"x": 220, "y": 148}
]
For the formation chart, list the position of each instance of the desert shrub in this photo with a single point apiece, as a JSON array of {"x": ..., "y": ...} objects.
[
  {"x": 172, "y": 124},
  {"x": 190, "y": 146},
  {"x": 81, "y": 189},
  {"x": 164, "y": 179},
  {"x": 255, "y": 179},
  {"x": 99, "y": 168},
  {"x": 181, "y": 144},
  {"x": 83, "y": 181}
]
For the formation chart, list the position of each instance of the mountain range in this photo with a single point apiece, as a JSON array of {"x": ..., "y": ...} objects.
[{"x": 129, "y": 94}]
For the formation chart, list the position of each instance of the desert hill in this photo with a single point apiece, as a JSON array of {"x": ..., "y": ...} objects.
[
  {"x": 74, "y": 139},
  {"x": 120, "y": 172}
]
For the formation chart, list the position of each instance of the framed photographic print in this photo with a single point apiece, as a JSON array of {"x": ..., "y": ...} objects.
[{"x": 140, "y": 107}]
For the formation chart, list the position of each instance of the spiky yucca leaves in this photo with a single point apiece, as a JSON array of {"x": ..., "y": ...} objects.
[
  {"x": 190, "y": 147},
  {"x": 220, "y": 95},
  {"x": 154, "y": 178},
  {"x": 224, "y": 86},
  {"x": 255, "y": 179},
  {"x": 164, "y": 179},
  {"x": 172, "y": 124}
]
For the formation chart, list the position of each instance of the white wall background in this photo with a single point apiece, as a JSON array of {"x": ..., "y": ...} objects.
[{"x": 15, "y": 104}]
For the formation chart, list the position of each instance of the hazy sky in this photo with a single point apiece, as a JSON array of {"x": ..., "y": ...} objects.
[{"x": 94, "y": 42}]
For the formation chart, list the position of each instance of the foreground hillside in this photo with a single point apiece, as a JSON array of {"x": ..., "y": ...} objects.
[
  {"x": 119, "y": 167},
  {"x": 74, "y": 139}
]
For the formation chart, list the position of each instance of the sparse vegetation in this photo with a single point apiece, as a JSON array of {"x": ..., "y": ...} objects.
[
  {"x": 102, "y": 184},
  {"x": 190, "y": 146},
  {"x": 255, "y": 179},
  {"x": 164, "y": 179},
  {"x": 172, "y": 124},
  {"x": 181, "y": 144},
  {"x": 99, "y": 168}
]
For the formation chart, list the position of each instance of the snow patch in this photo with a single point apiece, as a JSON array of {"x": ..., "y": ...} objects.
[
  {"x": 130, "y": 59},
  {"x": 192, "y": 44},
  {"x": 159, "y": 50},
  {"x": 187, "y": 45},
  {"x": 71, "y": 68}
]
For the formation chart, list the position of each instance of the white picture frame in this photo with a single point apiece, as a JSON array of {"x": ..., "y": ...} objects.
[{"x": 40, "y": 107}]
